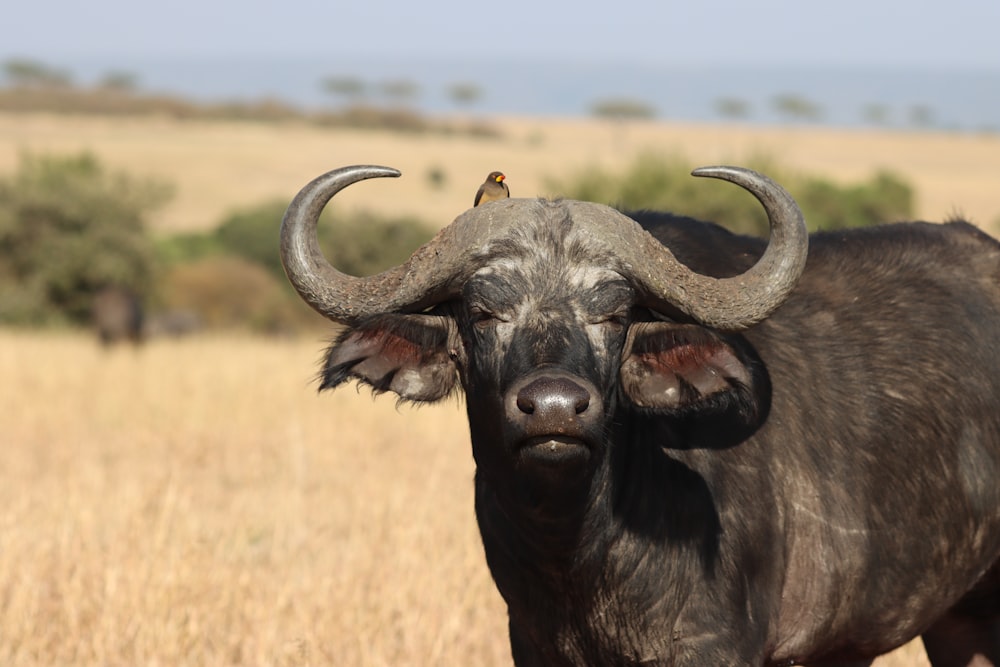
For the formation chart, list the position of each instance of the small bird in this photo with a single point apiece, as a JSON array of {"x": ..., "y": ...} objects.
[{"x": 493, "y": 189}]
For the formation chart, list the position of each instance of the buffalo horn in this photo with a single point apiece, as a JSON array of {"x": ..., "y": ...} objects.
[
  {"x": 435, "y": 271},
  {"x": 726, "y": 303},
  {"x": 423, "y": 280}
]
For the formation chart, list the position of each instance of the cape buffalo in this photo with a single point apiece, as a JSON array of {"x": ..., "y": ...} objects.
[
  {"x": 697, "y": 448},
  {"x": 117, "y": 315}
]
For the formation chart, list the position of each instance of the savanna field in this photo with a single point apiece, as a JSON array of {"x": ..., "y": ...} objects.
[{"x": 196, "y": 502}]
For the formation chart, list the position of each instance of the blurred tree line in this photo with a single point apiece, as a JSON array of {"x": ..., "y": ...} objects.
[
  {"x": 653, "y": 181},
  {"x": 69, "y": 227},
  {"x": 31, "y": 85}
]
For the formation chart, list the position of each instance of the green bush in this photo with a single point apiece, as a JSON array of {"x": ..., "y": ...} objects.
[
  {"x": 233, "y": 293},
  {"x": 68, "y": 227},
  {"x": 360, "y": 243},
  {"x": 186, "y": 247},
  {"x": 883, "y": 198},
  {"x": 252, "y": 233},
  {"x": 666, "y": 184},
  {"x": 232, "y": 275},
  {"x": 364, "y": 243}
]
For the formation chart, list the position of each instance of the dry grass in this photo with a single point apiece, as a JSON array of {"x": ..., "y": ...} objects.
[
  {"x": 196, "y": 503},
  {"x": 218, "y": 166}
]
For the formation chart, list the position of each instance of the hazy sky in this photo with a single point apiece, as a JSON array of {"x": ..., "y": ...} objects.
[{"x": 956, "y": 33}]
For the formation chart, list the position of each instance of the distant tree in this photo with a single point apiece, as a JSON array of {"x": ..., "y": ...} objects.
[
  {"x": 119, "y": 82},
  {"x": 399, "y": 91},
  {"x": 875, "y": 114},
  {"x": 69, "y": 227},
  {"x": 796, "y": 107},
  {"x": 29, "y": 73},
  {"x": 622, "y": 108},
  {"x": 437, "y": 177},
  {"x": 464, "y": 94},
  {"x": 347, "y": 87},
  {"x": 921, "y": 116},
  {"x": 732, "y": 108}
]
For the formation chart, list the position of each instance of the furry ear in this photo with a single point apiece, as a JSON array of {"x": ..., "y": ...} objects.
[
  {"x": 669, "y": 366},
  {"x": 408, "y": 355}
]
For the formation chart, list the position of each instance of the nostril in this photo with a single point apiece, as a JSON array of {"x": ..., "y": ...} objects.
[{"x": 554, "y": 398}]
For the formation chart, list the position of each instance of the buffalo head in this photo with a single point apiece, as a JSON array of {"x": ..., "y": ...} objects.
[{"x": 549, "y": 314}]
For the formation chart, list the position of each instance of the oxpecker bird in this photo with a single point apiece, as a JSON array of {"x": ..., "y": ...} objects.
[{"x": 492, "y": 189}]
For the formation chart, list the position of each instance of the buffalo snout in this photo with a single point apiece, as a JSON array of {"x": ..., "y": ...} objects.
[
  {"x": 554, "y": 415},
  {"x": 553, "y": 399}
]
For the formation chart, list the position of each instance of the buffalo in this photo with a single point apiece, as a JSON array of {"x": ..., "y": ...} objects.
[
  {"x": 699, "y": 448},
  {"x": 117, "y": 315}
]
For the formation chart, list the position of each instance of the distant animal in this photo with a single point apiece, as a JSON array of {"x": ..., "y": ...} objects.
[
  {"x": 695, "y": 448},
  {"x": 117, "y": 315},
  {"x": 492, "y": 189},
  {"x": 174, "y": 323}
]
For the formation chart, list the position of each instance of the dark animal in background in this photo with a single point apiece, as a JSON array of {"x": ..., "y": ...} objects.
[
  {"x": 117, "y": 315},
  {"x": 174, "y": 323},
  {"x": 492, "y": 189},
  {"x": 696, "y": 448}
]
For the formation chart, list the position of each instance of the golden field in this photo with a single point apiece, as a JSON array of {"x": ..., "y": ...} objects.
[
  {"x": 218, "y": 166},
  {"x": 196, "y": 503}
]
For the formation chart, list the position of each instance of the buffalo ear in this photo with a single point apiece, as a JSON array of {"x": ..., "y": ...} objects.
[
  {"x": 408, "y": 355},
  {"x": 669, "y": 366}
]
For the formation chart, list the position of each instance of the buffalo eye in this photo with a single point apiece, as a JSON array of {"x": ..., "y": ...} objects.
[
  {"x": 483, "y": 317},
  {"x": 617, "y": 320},
  {"x": 480, "y": 314},
  {"x": 609, "y": 303}
]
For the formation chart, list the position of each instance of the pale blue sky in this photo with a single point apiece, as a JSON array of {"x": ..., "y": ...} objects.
[{"x": 956, "y": 33}]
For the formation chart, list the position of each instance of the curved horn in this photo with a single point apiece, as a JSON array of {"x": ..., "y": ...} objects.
[
  {"x": 724, "y": 303},
  {"x": 418, "y": 282}
]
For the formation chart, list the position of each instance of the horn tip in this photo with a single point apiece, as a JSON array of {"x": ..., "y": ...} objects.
[
  {"x": 717, "y": 171},
  {"x": 379, "y": 171}
]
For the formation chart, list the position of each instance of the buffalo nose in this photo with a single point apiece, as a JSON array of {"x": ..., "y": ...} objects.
[
  {"x": 553, "y": 397},
  {"x": 553, "y": 403}
]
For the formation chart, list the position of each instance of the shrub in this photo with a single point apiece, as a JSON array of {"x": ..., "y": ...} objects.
[
  {"x": 231, "y": 292},
  {"x": 361, "y": 243},
  {"x": 232, "y": 276},
  {"x": 67, "y": 228},
  {"x": 365, "y": 243},
  {"x": 252, "y": 233},
  {"x": 655, "y": 182}
]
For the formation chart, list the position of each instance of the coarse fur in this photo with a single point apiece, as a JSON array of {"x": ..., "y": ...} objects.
[{"x": 819, "y": 489}]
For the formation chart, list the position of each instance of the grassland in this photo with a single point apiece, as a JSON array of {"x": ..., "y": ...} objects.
[
  {"x": 196, "y": 503},
  {"x": 217, "y": 166}
]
